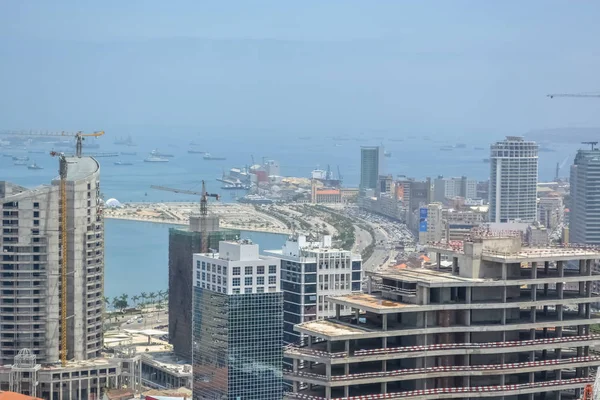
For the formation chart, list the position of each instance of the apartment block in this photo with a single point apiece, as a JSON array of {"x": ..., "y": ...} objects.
[{"x": 502, "y": 321}]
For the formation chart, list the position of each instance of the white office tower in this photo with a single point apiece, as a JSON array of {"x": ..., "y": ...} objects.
[
  {"x": 310, "y": 271},
  {"x": 30, "y": 309},
  {"x": 513, "y": 180}
]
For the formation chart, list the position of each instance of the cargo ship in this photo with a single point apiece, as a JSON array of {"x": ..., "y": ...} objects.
[
  {"x": 125, "y": 141},
  {"x": 156, "y": 153},
  {"x": 34, "y": 166},
  {"x": 155, "y": 159},
  {"x": 20, "y": 162},
  {"x": 209, "y": 157}
]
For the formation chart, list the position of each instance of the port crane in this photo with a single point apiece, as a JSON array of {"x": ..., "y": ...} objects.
[
  {"x": 79, "y": 136},
  {"x": 204, "y": 196}
]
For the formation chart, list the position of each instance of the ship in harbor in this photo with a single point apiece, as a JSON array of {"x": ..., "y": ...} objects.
[
  {"x": 255, "y": 199},
  {"x": 387, "y": 154},
  {"x": 156, "y": 153},
  {"x": 20, "y": 158},
  {"x": 155, "y": 159},
  {"x": 34, "y": 166},
  {"x": 192, "y": 151},
  {"x": 122, "y": 163},
  {"x": 125, "y": 141},
  {"x": 235, "y": 186},
  {"x": 209, "y": 157},
  {"x": 20, "y": 162}
]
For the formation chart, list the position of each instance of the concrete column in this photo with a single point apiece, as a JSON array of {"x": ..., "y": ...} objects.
[
  {"x": 439, "y": 260},
  {"x": 384, "y": 322},
  {"x": 546, "y": 267},
  {"x": 329, "y": 346},
  {"x": 346, "y": 391},
  {"x": 454, "y": 265},
  {"x": 328, "y": 392},
  {"x": 560, "y": 268},
  {"x": 309, "y": 342},
  {"x": 532, "y": 315},
  {"x": 383, "y": 387},
  {"x": 534, "y": 292},
  {"x": 469, "y": 294},
  {"x": 356, "y": 314},
  {"x": 559, "y": 311},
  {"x": 347, "y": 346},
  {"x": 545, "y": 289},
  {"x": 328, "y": 371},
  {"x": 338, "y": 311},
  {"x": 504, "y": 271},
  {"x": 588, "y": 267},
  {"x": 534, "y": 270}
]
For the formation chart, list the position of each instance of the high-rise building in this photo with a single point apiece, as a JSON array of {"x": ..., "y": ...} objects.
[
  {"x": 371, "y": 166},
  {"x": 584, "y": 209},
  {"x": 513, "y": 180},
  {"x": 238, "y": 322},
  {"x": 499, "y": 320},
  {"x": 183, "y": 243},
  {"x": 311, "y": 271},
  {"x": 30, "y": 344},
  {"x": 444, "y": 188}
]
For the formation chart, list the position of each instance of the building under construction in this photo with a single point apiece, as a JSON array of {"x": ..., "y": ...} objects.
[
  {"x": 183, "y": 243},
  {"x": 35, "y": 247},
  {"x": 503, "y": 321}
]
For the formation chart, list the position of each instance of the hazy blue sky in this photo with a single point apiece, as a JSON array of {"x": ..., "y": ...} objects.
[{"x": 435, "y": 67}]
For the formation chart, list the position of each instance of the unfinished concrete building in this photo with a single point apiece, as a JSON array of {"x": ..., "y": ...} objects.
[
  {"x": 503, "y": 321},
  {"x": 31, "y": 289}
]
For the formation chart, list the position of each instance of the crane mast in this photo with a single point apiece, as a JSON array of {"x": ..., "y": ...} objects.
[
  {"x": 204, "y": 196},
  {"x": 62, "y": 171}
]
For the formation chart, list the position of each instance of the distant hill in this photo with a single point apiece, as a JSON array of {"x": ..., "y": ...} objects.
[{"x": 564, "y": 135}]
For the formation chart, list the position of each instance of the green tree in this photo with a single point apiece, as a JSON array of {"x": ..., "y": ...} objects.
[
  {"x": 152, "y": 297},
  {"x": 135, "y": 299}
]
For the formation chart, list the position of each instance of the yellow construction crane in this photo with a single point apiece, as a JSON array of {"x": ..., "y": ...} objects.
[
  {"x": 62, "y": 171},
  {"x": 79, "y": 136},
  {"x": 203, "y": 209}
]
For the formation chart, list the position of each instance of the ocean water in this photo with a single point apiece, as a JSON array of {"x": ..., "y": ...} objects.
[
  {"x": 137, "y": 255},
  {"x": 136, "y": 252}
]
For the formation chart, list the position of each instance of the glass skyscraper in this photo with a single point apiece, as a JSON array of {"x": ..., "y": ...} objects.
[
  {"x": 371, "y": 166},
  {"x": 238, "y": 325}
]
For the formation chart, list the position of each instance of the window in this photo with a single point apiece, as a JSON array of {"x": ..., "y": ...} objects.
[
  {"x": 36, "y": 214},
  {"x": 198, "y": 264},
  {"x": 236, "y": 291},
  {"x": 260, "y": 270},
  {"x": 260, "y": 280},
  {"x": 272, "y": 269},
  {"x": 214, "y": 269},
  {"x": 272, "y": 280},
  {"x": 260, "y": 290},
  {"x": 248, "y": 270},
  {"x": 204, "y": 276},
  {"x": 236, "y": 271},
  {"x": 248, "y": 281},
  {"x": 36, "y": 205},
  {"x": 224, "y": 270},
  {"x": 203, "y": 266},
  {"x": 236, "y": 281},
  {"x": 36, "y": 222},
  {"x": 219, "y": 269}
]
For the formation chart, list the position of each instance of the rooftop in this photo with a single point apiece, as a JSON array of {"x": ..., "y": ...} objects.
[{"x": 79, "y": 168}]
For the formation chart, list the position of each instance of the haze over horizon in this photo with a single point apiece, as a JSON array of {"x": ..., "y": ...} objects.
[{"x": 268, "y": 68}]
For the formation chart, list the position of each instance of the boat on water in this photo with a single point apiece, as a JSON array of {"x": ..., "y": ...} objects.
[
  {"x": 34, "y": 166},
  {"x": 20, "y": 162},
  {"x": 446, "y": 148},
  {"x": 129, "y": 153},
  {"x": 156, "y": 153},
  {"x": 96, "y": 155},
  {"x": 125, "y": 141},
  {"x": 208, "y": 156},
  {"x": 387, "y": 154},
  {"x": 255, "y": 199},
  {"x": 20, "y": 158},
  {"x": 122, "y": 163},
  {"x": 7, "y": 155},
  {"x": 155, "y": 159},
  {"x": 235, "y": 186},
  {"x": 460, "y": 146},
  {"x": 36, "y": 152},
  {"x": 192, "y": 151}
]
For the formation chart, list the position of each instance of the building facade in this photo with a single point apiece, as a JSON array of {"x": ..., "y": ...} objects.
[
  {"x": 371, "y": 166},
  {"x": 183, "y": 243},
  {"x": 444, "y": 188},
  {"x": 502, "y": 321},
  {"x": 238, "y": 320},
  {"x": 584, "y": 210},
  {"x": 513, "y": 180},
  {"x": 311, "y": 271}
]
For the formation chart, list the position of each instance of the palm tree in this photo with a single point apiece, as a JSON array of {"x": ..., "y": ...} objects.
[
  {"x": 152, "y": 296},
  {"x": 161, "y": 296},
  {"x": 167, "y": 295},
  {"x": 144, "y": 297},
  {"x": 106, "y": 303},
  {"x": 124, "y": 298},
  {"x": 135, "y": 299}
]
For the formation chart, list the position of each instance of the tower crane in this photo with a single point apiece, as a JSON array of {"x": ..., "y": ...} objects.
[
  {"x": 203, "y": 208},
  {"x": 79, "y": 136}
]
